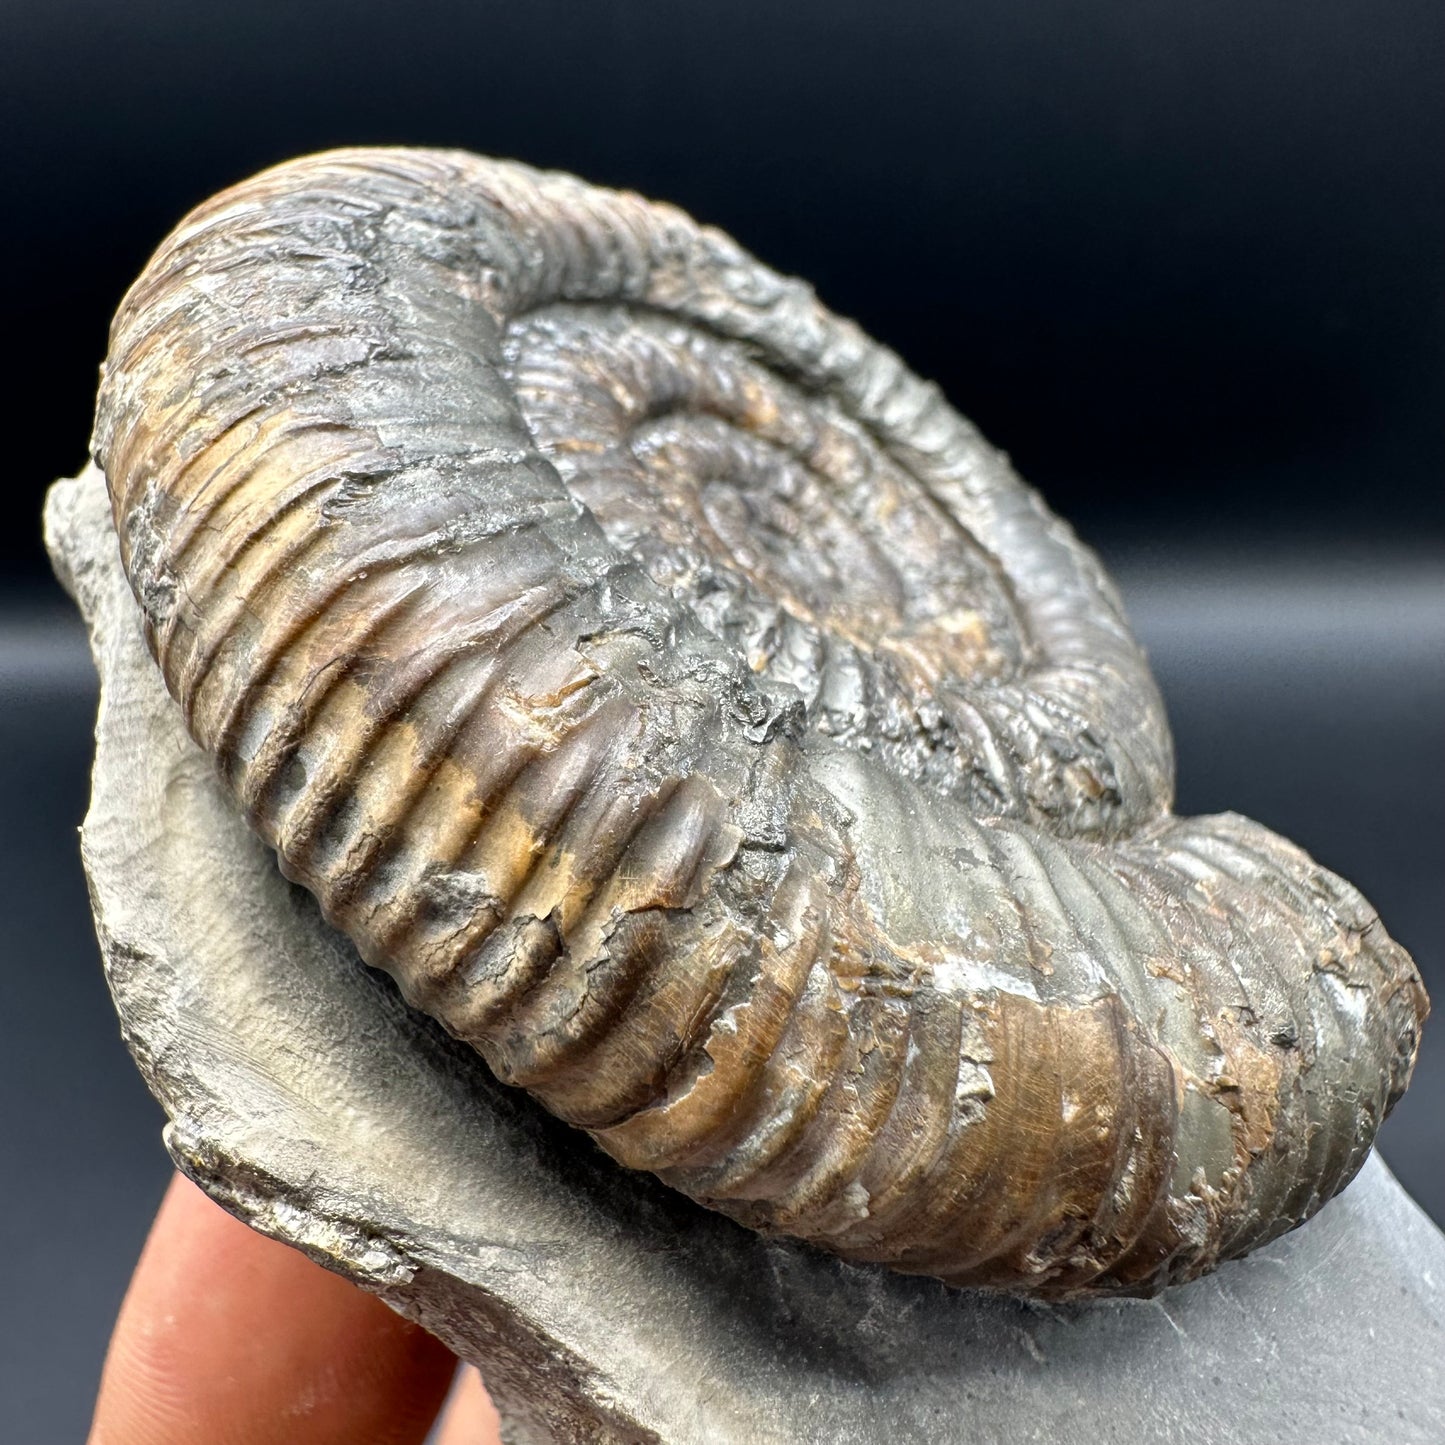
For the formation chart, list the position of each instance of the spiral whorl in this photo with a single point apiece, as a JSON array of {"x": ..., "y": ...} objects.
[{"x": 693, "y": 713}]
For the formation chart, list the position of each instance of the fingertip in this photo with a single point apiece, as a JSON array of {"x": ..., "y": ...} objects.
[
  {"x": 229, "y": 1337},
  {"x": 469, "y": 1417}
]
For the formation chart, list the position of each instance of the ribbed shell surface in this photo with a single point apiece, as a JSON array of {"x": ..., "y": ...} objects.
[{"x": 694, "y": 714}]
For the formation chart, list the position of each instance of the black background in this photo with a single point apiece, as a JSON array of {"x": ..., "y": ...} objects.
[{"x": 1185, "y": 262}]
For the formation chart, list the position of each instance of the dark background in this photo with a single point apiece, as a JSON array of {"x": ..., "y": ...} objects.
[{"x": 1187, "y": 263}]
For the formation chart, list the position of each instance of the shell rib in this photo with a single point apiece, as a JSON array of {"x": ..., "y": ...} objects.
[{"x": 691, "y": 712}]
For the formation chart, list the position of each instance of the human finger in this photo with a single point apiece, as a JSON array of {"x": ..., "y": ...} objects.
[
  {"x": 470, "y": 1418},
  {"x": 229, "y": 1337}
]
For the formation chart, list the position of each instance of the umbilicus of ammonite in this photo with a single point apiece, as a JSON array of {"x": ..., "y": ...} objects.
[{"x": 695, "y": 715}]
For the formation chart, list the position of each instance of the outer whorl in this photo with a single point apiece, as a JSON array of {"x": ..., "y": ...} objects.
[{"x": 696, "y": 716}]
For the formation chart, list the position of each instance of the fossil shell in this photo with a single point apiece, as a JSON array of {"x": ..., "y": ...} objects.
[{"x": 694, "y": 714}]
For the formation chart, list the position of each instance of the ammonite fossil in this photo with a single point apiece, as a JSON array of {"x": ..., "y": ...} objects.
[{"x": 695, "y": 715}]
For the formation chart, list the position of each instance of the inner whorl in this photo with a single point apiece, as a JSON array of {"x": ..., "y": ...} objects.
[{"x": 694, "y": 714}]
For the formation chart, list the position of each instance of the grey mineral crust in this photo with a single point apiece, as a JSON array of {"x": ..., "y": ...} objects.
[{"x": 306, "y": 1098}]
